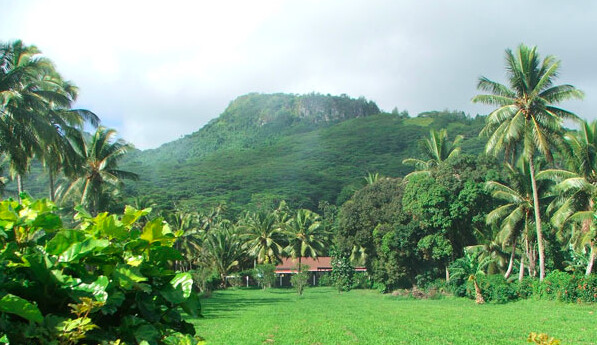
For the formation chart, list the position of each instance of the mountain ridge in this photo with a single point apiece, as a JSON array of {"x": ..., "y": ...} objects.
[{"x": 301, "y": 148}]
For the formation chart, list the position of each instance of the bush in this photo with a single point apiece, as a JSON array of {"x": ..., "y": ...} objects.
[
  {"x": 325, "y": 280},
  {"x": 342, "y": 273},
  {"x": 265, "y": 275},
  {"x": 555, "y": 286},
  {"x": 361, "y": 281},
  {"x": 567, "y": 287},
  {"x": 300, "y": 280},
  {"x": 206, "y": 279},
  {"x": 525, "y": 288},
  {"x": 496, "y": 289},
  {"x": 104, "y": 282}
]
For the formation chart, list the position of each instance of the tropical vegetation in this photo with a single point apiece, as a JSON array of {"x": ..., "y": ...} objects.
[{"x": 497, "y": 208}]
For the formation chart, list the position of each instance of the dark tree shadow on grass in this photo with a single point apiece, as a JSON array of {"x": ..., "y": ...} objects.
[{"x": 227, "y": 303}]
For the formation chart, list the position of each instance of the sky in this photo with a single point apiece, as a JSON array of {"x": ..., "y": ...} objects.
[{"x": 158, "y": 70}]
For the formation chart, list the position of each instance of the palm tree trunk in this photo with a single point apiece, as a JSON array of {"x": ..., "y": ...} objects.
[
  {"x": 19, "y": 187},
  {"x": 521, "y": 273},
  {"x": 537, "y": 221},
  {"x": 591, "y": 259},
  {"x": 478, "y": 295},
  {"x": 511, "y": 263},
  {"x": 52, "y": 191},
  {"x": 447, "y": 274}
]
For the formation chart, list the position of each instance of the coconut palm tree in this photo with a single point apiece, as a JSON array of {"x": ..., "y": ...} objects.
[
  {"x": 436, "y": 149},
  {"x": 99, "y": 174},
  {"x": 223, "y": 248},
  {"x": 25, "y": 94},
  {"x": 576, "y": 190},
  {"x": 263, "y": 237},
  {"x": 515, "y": 216},
  {"x": 306, "y": 236},
  {"x": 35, "y": 112},
  {"x": 527, "y": 119}
]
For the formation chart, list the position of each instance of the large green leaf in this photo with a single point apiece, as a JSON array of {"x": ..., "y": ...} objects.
[
  {"x": 147, "y": 333},
  {"x": 110, "y": 226},
  {"x": 12, "y": 304},
  {"x": 184, "y": 281},
  {"x": 63, "y": 240},
  {"x": 131, "y": 215},
  {"x": 96, "y": 288},
  {"x": 192, "y": 306},
  {"x": 115, "y": 300},
  {"x": 172, "y": 294},
  {"x": 80, "y": 249},
  {"x": 157, "y": 231},
  {"x": 127, "y": 276},
  {"x": 47, "y": 221}
]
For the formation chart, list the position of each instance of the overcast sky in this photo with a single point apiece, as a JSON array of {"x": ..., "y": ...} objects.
[{"x": 157, "y": 70}]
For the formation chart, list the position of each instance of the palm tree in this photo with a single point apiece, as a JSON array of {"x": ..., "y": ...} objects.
[
  {"x": 515, "y": 216},
  {"x": 263, "y": 237},
  {"x": 306, "y": 237},
  {"x": 371, "y": 178},
  {"x": 223, "y": 248},
  {"x": 57, "y": 153},
  {"x": 577, "y": 188},
  {"x": 99, "y": 174},
  {"x": 470, "y": 267},
  {"x": 527, "y": 119},
  {"x": 189, "y": 238},
  {"x": 24, "y": 95},
  {"x": 35, "y": 112},
  {"x": 436, "y": 149}
]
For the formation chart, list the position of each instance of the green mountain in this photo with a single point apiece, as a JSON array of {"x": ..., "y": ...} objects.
[{"x": 300, "y": 148}]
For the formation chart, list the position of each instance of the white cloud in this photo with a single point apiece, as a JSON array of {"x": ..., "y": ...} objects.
[{"x": 157, "y": 70}]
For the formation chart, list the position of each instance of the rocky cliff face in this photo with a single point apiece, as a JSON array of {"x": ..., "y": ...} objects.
[{"x": 320, "y": 108}]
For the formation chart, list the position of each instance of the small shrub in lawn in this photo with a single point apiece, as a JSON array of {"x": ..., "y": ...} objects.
[
  {"x": 342, "y": 273},
  {"x": 235, "y": 281},
  {"x": 206, "y": 279},
  {"x": 265, "y": 275},
  {"x": 300, "y": 280}
]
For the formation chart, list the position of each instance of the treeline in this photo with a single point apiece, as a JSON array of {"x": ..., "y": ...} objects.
[{"x": 38, "y": 123}]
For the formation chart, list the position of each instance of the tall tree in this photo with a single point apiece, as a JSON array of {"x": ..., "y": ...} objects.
[
  {"x": 577, "y": 189},
  {"x": 99, "y": 175},
  {"x": 306, "y": 237},
  {"x": 436, "y": 149},
  {"x": 263, "y": 236},
  {"x": 223, "y": 248},
  {"x": 526, "y": 120},
  {"x": 35, "y": 109},
  {"x": 515, "y": 215}
]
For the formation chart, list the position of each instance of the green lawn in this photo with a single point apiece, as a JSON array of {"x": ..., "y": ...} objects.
[{"x": 322, "y": 316}]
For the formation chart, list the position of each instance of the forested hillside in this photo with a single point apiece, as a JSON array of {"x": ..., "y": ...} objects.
[{"x": 302, "y": 149}]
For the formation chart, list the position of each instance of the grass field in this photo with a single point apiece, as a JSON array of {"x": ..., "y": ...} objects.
[{"x": 322, "y": 316}]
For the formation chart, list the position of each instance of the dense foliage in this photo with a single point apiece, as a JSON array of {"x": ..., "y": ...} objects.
[{"x": 106, "y": 281}]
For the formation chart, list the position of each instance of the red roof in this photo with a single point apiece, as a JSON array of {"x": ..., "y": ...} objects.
[{"x": 321, "y": 264}]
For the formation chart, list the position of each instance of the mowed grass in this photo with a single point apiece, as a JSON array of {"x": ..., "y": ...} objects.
[{"x": 322, "y": 316}]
